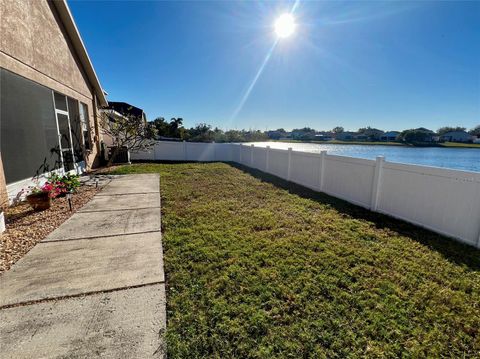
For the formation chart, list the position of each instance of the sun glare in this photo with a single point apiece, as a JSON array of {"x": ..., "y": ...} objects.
[{"x": 285, "y": 25}]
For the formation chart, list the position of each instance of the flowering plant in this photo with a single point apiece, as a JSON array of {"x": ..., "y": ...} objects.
[{"x": 53, "y": 188}]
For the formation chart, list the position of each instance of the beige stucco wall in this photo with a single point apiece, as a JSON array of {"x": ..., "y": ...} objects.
[
  {"x": 3, "y": 187},
  {"x": 34, "y": 44}
]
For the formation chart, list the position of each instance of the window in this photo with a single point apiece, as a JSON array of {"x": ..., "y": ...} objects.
[
  {"x": 75, "y": 125},
  {"x": 85, "y": 124},
  {"x": 60, "y": 102},
  {"x": 28, "y": 129}
]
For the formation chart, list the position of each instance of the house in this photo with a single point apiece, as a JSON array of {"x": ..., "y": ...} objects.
[
  {"x": 345, "y": 136},
  {"x": 372, "y": 134},
  {"x": 303, "y": 134},
  {"x": 324, "y": 136},
  {"x": 456, "y": 136},
  {"x": 389, "y": 136},
  {"x": 51, "y": 95},
  {"x": 116, "y": 110},
  {"x": 360, "y": 137},
  {"x": 126, "y": 109},
  {"x": 275, "y": 135}
]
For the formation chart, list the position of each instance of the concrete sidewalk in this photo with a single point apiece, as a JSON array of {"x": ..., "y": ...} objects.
[{"x": 95, "y": 287}]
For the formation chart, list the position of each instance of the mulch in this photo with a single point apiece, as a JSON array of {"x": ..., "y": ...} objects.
[{"x": 25, "y": 228}]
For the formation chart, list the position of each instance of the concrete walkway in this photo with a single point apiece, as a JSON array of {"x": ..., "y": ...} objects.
[{"x": 95, "y": 287}]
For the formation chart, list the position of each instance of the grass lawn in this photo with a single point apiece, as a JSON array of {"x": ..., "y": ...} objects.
[
  {"x": 460, "y": 145},
  {"x": 260, "y": 268}
]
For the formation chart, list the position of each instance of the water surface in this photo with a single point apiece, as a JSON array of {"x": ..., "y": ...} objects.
[{"x": 466, "y": 159}]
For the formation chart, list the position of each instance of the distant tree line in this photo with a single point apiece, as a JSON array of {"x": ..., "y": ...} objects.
[{"x": 203, "y": 132}]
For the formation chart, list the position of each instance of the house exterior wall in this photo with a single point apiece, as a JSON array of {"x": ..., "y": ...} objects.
[
  {"x": 3, "y": 187},
  {"x": 35, "y": 45},
  {"x": 456, "y": 136},
  {"x": 38, "y": 48}
]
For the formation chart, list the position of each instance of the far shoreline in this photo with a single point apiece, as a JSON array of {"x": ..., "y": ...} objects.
[{"x": 380, "y": 143}]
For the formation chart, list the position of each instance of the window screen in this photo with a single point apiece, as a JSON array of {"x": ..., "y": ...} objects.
[
  {"x": 28, "y": 130},
  {"x": 75, "y": 125},
  {"x": 60, "y": 102},
  {"x": 85, "y": 123}
]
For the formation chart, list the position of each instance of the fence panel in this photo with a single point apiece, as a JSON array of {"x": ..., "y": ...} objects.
[
  {"x": 305, "y": 169},
  {"x": 278, "y": 163},
  {"x": 443, "y": 200},
  {"x": 223, "y": 152},
  {"x": 245, "y": 155},
  {"x": 170, "y": 151},
  {"x": 235, "y": 150},
  {"x": 259, "y": 158},
  {"x": 200, "y": 151},
  {"x": 349, "y": 178}
]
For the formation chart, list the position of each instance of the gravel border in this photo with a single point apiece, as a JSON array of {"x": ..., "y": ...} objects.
[{"x": 25, "y": 228}]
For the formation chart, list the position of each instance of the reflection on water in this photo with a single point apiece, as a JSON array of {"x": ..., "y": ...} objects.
[{"x": 467, "y": 159}]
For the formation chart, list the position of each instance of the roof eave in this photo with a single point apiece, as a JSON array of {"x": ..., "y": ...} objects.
[{"x": 72, "y": 30}]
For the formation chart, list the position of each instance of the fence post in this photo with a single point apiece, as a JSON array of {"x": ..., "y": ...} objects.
[
  {"x": 184, "y": 150},
  {"x": 214, "y": 151},
  {"x": 289, "y": 168},
  {"x": 251, "y": 154},
  {"x": 267, "y": 159},
  {"x": 377, "y": 182},
  {"x": 322, "y": 169}
]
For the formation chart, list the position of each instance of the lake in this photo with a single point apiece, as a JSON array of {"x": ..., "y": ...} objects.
[{"x": 466, "y": 159}]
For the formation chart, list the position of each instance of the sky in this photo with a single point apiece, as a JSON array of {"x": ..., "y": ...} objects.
[{"x": 389, "y": 65}]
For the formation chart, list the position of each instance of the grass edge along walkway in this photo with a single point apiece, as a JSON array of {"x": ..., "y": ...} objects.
[{"x": 258, "y": 267}]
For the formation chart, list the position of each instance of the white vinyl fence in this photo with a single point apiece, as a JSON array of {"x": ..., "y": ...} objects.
[{"x": 443, "y": 200}]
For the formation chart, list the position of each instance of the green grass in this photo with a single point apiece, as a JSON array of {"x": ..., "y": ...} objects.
[
  {"x": 260, "y": 268},
  {"x": 459, "y": 145}
]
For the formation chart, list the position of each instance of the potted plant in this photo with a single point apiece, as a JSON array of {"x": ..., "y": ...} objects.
[{"x": 40, "y": 198}]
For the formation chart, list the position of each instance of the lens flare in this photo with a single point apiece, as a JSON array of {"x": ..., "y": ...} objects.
[{"x": 285, "y": 25}]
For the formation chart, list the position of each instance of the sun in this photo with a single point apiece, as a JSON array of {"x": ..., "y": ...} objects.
[{"x": 285, "y": 25}]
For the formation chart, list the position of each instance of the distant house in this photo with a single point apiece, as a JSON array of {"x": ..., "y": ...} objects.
[
  {"x": 303, "y": 135},
  {"x": 389, "y": 136},
  {"x": 126, "y": 109},
  {"x": 372, "y": 134},
  {"x": 324, "y": 136},
  {"x": 456, "y": 136},
  {"x": 275, "y": 135},
  {"x": 360, "y": 137},
  {"x": 116, "y": 110},
  {"x": 345, "y": 136}
]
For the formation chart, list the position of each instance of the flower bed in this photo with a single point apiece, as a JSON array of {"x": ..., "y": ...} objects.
[{"x": 25, "y": 228}]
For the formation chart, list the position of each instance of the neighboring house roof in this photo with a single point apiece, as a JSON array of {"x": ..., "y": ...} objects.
[
  {"x": 457, "y": 133},
  {"x": 76, "y": 40},
  {"x": 391, "y": 133},
  {"x": 126, "y": 109}
]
